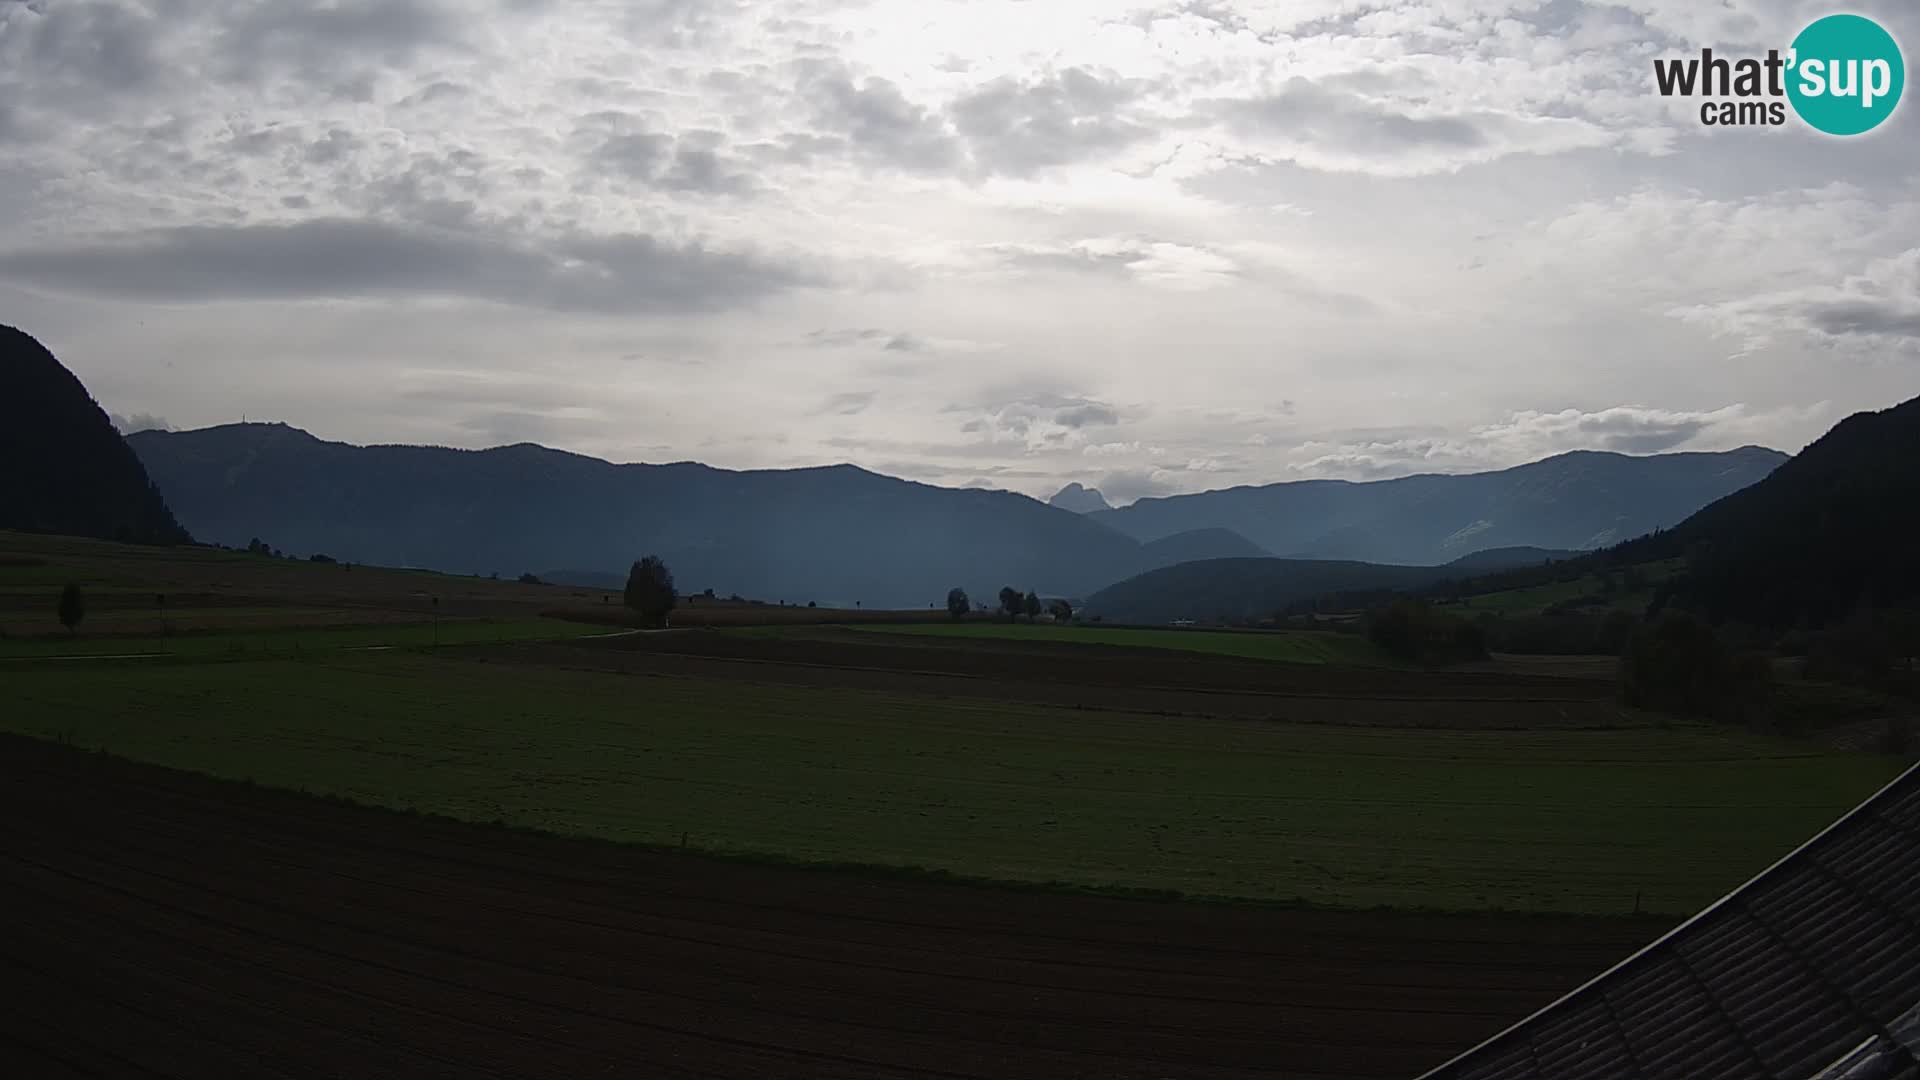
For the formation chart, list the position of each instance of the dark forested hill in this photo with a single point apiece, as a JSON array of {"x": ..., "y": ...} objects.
[
  {"x": 1580, "y": 500},
  {"x": 1832, "y": 530},
  {"x": 836, "y": 535},
  {"x": 1197, "y": 544},
  {"x": 1497, "y": 559},
  {"x": 1234, "y": 589},
  {"x": 63, "y": 468}
]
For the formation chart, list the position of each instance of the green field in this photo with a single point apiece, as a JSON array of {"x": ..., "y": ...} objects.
[
  {"x": 1535, "y": 599},
  {"x": 1291, "y": 646},
  {"x": 1576, "y": 821},
  {"x": 291, "y": 640}
]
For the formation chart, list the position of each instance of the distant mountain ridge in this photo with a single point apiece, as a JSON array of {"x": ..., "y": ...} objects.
[
  {"x": 835, "y": 534},
  {"x": 1580, "y": 500},
  {"x": 63, "y": 467},
  {"x": 1197, "y": 544},
  {"x": 1080, "y": 500}
]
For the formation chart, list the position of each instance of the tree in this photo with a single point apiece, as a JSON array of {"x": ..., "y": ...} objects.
[
  {"x": 1061, "y": 610},
  {"x": 1032, "y": 606},
  {"x": 1677, "y": 664},
  {"x": 531, "y": 579},
  {"x": 650, "y": 589},
  {"x": 957, "y": 603},
  {"x": 73, "y": 606},
  {"x": 1011, "y": 602}
]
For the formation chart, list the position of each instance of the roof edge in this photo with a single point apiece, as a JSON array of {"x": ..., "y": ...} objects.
[{"x": 1910, "y": 775}]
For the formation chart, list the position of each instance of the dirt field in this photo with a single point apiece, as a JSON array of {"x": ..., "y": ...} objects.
[{"x": 161, "y": 923}]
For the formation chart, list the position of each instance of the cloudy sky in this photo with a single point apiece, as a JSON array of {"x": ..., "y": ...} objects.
[{"x": 1149, "y": 246}]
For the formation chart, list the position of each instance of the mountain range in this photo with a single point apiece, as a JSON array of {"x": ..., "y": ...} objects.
[
  {"x": 842, "y": 535},
  {"x": 834, "y": 534},
  {"x": 1580, "y": 500}
]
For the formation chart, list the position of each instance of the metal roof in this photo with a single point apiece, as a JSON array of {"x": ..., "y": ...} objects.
[{"x": 1810, "y": 971}]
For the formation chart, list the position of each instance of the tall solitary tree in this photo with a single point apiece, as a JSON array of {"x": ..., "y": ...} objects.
[
  {"x": 73, "y": 606},
  {"x": 1011, "y": 602},
  {"x": 957, "y": 603},
  {"x": 650, "y": 589},
  {"x": 1032, "y": 606}
]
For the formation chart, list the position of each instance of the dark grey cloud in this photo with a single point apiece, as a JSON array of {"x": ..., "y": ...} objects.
[
  {"x": 333, "y": 44},
  {"x": 436, "y": 92},
  {"x": 878, "y": 122},
  {"x": 1864, "y": 318},
  {"x": 848, "y": 404},
  {"x": 887, "y": 340},
  {"x": 1090, "y": 414},
  {"x": 90, "y": 47},
  {"x": 335, "y": 258},
  {"x": 691, "y": 161},
  {"x": 1309, "y": 112},
  {"x": 1021, "y": 127},
  {"x": 337, "y": 144}
]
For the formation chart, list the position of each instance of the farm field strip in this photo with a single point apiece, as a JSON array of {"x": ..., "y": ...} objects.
[
  {"x": 1289, "y": 646},
  {"x": 372, "y": 958},
  {"x": 1084, "y": 689},
  {"x": 1056, "y": 961},
  {"x": 414, "y": 633},
  {"x": 1567, "y": 821}
]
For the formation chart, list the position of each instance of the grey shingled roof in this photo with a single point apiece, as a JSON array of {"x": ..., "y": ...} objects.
[{"x": 1810, "y": 970}]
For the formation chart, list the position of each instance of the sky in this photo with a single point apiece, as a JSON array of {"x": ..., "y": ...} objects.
[{"x": 1152, "y": 247}]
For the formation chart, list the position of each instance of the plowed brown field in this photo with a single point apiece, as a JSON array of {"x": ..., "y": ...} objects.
[{"x": 166, "y": 924}]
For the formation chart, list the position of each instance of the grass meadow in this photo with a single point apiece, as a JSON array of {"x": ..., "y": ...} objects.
[{"x": 1589, "y": 821}]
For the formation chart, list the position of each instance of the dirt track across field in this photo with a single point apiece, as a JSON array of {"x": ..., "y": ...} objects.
[{"x": 165, "y": 924}]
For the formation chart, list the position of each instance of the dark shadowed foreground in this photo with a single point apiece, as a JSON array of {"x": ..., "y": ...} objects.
[
  {"x": 162, "y": 923},
  {"x": 1812, "y": 969}
]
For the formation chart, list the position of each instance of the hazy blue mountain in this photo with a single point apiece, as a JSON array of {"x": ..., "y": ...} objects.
[
  {"x": 63, "y": 468},
  {"x": 836, "y": 535},
  {"x": 1245, "y": 588},
  {"x": 1196, "y": 544},
  {"x": 1580, "y": 500},
  {"x": 1080, "y": 500}
]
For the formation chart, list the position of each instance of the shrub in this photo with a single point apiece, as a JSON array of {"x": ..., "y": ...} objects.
[{"x": 1678, "y": 664}]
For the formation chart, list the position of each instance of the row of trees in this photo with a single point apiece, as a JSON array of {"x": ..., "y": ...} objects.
[{"x": 1013, "y": 604}]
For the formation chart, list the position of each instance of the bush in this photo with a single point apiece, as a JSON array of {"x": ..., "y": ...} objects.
[
  {"x": 1414, "y": 631},
  {"x": 1678, "y": 664},
  {"x": 73, "y": 607}
]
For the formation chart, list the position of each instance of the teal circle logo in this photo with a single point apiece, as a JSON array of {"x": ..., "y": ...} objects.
[{"x": 1846, "y": 74}]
